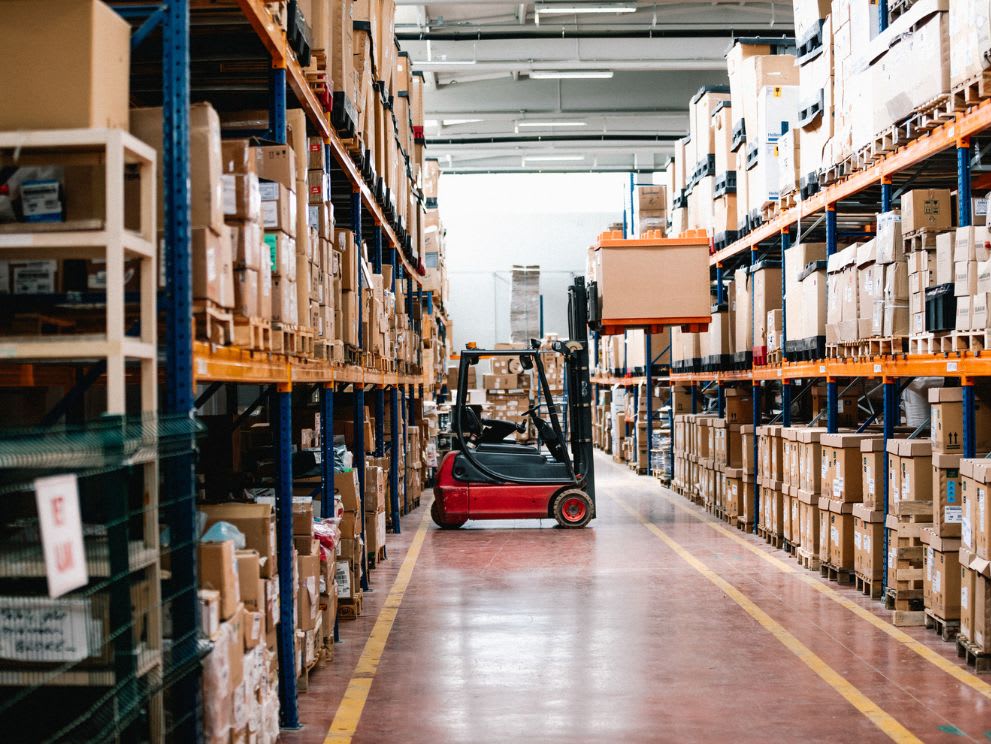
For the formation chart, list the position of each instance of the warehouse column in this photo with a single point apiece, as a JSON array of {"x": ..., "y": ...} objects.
[
  {"x": 695, "y": 397},
  {"x": 396, "y": 445},
  {"x": 359, "y": 466},
  {"x": 720, "y": 400},
  {"x": 379, "y": 394},
  {"x": 720, "y": 292},
  {"x": 649, "y": 356},
  {"x": 964, "y": 217},
  {"x": 969, "y": 424},
  {"x": 671, "y": 438},
  {"x": 405, "y": 450},
  {"x": 882, "y": 13},
  {"x": 886, "y": 194},
  {"x": 832, "y": 392},
  {"x": 179, "y": 472},
  {"x": 757, "y": 416},
  {"x": 327, "y": 450},
  {"x": 281, "y": 417},
  {"x": 783, "y": 340},
  {"x": 890, "y": 421},
  {"x": 277, "y": 110}
]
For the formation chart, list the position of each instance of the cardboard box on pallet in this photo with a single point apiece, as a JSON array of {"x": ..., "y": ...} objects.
[
  {"x": 980, "y": 636},
  {"x": 840, "y": 535},
  {"x": 810, "y": 458},
  {"x": 968, "y": 580},
  {"x": 926, "y": 209},
  {"x": 909, "y": 476},
  {"x": 824, "y": 540},
  {"x": 868, "y": 542},
  {"x": 872, "y": 471},
  {"x": 218, "y": 570},
  {"x": 941, "y": 575},
  {"x": 975, "y": 477},
  {"x": 946, "y": 421},
  {"x": 842, "y": 466},
  {"x": 946, "y": 496}
]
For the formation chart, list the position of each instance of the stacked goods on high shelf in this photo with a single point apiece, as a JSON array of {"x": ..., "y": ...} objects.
[
  {"x": 435, "y": 280},
  {"x": 509, "y": 390},
  {"x": 652, "y": 209}
]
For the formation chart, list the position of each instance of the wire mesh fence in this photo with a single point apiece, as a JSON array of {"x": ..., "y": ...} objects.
[{"x": 96, "y": 663}]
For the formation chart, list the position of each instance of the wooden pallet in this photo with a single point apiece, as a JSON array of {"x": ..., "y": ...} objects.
[
  {"x": 303, "y": 682},
  {"x": 948, "y": 630},
  {"x": 375, "y": 558},
  {"x": 919, "y": 240},
  {"x": 774, "y": 357},
  {"x": 970, "y": 93},
  {"x": 323, "y": 350},
  {"x": 212, "y": 323},
  {"x": 966, "y": 341},
  {"x": 930, "y": 115},
  {"x": 979, "y": 659},
  {"x": 836, "y": 573},
  {"x": 744, "y": 526},
  {"x": 807, "y": 559},
  {"x": 844, "y": 350},
  {"x": 306, "y": 338},
  {"x": 898, "y": 8},
  {"x": 872, "y": 347},
  {"x": 906, "y": 608},
  {"x": 253, "y": 333},
  {"x": 868, "y": 587},
  {"x": 350, "y": 608},
  {"x": 925, "y": 343}
]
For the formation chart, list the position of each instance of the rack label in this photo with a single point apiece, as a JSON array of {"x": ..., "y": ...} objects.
[{"x": 57, "y": 498}]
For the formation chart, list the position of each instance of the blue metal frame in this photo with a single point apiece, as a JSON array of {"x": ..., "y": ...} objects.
[
  {"x": 785, "y": 245},
  {"x": 719, "y": 284},
  {"x": 720, "y": 401},
  {"x": 403, "y": 443},
  {"x": 671, "y": 439},
  {"x": 649, "y": 356},
  {"x": 756, "y": 413},
  {"x": 886, "y": 194},
  {"x": 890, "y": 421},
  {"x": 359, "y": 466},
  {"x": 695, "y": 398},
  {"x": 969, "y": 424},
  {"x": 281, "y": 407},
  {"x": 277, "y": 110},
  {"x": 832, "y": 391},
  {"x": 327, "y": 450},
  {"x": 394, "y": 459},
  {"x": 964, "y": 217}
]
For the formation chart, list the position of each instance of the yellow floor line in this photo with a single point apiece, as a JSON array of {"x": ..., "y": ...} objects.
[
  {"x": 352, "y": 705},
  {"x": 933, "y": 657},
  {"x": 874, "y": 713}
]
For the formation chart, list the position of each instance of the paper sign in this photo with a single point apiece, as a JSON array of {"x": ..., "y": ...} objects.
[{"x": 61, "y": 533}]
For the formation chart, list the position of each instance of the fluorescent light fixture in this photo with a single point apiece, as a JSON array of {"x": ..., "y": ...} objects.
[
  {"x": 522, "y": 124},
  {"x": 437, "y": 62},
  {"x": 580, "y": 8},
  {"x": 570, "y": 74},
  {"x": 552, "y": 158},
  {"x": 456, "y": 122}
]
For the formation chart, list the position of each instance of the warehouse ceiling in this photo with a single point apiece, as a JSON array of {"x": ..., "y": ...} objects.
[{"x": 564, "y": 85}]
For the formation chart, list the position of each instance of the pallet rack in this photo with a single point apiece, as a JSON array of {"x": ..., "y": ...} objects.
[
  {"x": 195, "y": 371},
  {"x": 938, "y": 158}
]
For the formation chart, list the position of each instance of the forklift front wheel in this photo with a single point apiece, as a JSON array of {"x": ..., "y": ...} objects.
[
  {"x": 573, "y": 509},
  {"x": 437, "y": 514}
]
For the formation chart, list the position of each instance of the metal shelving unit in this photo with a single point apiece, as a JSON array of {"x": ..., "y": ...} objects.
[{"x": 938, "y": 158}]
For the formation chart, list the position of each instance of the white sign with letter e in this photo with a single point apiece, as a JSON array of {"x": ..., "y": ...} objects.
[{"x": 61, "y": 533}]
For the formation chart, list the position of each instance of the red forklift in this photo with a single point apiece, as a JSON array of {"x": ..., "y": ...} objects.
[{"x": 488, "y": 475}]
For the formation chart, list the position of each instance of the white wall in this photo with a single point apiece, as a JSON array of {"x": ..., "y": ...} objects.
[{"x": 495, "y": 221}]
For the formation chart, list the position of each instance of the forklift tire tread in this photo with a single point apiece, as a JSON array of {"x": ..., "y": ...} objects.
[{"x": 573, "y": 509}]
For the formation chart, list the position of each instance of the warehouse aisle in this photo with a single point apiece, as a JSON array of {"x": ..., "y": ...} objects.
[{"x": 678, "y": 631}]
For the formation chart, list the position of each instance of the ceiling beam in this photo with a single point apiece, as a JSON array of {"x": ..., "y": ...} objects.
[
  {"x": 780, "y": 33},
  {"x": 512, "y": 65}
]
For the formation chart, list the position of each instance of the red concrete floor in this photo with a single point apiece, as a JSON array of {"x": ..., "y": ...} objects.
[{"x": 513, "y": 631}]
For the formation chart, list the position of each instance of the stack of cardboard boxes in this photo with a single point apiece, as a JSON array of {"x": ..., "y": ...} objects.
[
  {"x": 652, "y": 206},
  {"x": 348, "y": 563}
]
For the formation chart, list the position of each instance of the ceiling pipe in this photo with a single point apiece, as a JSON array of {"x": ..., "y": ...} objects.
[
  {"x": 551, "y": 138},
  {"x": 777, "y": 34}
]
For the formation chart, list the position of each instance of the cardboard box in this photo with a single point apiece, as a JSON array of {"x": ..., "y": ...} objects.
[
  {"x": 926, "y": 209},
  {"x": 967, "y": 591},
  {"x": 302, "y": 516},
  {"x": 941, "y": 575},
  {"x": 503, "y": 382},
  {"x": 250, "y": 582},
  {"x": 256, "y": 521},
  {"x": 841, "y": 535},
  {"x": 276, "y": 163},
  {"x": 217, "y": 570},
  {"x": 842, "y": 466},
  {"x": 253, "y": 626},
  {"x": 209, "y": 601},
  {"x": 872, "y": 472},
  {"x": 308, "y": 597},
  {"x": 71, "y": 65},
  {"x": 946, "y": 421},
  {"x": 240, "y": 197}
]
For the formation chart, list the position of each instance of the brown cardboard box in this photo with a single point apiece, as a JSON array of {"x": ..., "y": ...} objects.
[
  {"x": 308, "y": 597},
  {"x": 926, "y": 209},
  {"x": 218, "y": 571},
  {"x": 981, "y": 629},
  {"x": 824, "y": 541},
  {"x": 375, "y": 488},
  {"x": 739, "y": 406},
  {"x": 251, "y": 585},
  {"x": 947, "y": 504},
  {"x": 208, "y": 254},
  {"x": 302, "y": 516},
  {"x": 968, "y": 587},
  {"x": 278, "y": 208},
  {"x": 346, "y": 484},
  {"x": 246, "y": 292},
  {"x": 633, "y": 283},
  {"x": 502, "y": 382},
  {"x": 844, "y": 463},
  {"x": 375, "y": 531},
  {"x": 868, "y": 542},
  {"x": 70, "y": 65},
  {"x": 237, "y": 156},
  {"x": 841, "y": 535},
  {"x": 256, "y": 521},
  {"x": 941, "y": 575},
  {"x": 253, "y": 625},
  {"x": 872, "y": 471},
  {"x": 240, "y": 197},
  {"x": 276, "y": 163},
  {"x": 946, "y": 421}
]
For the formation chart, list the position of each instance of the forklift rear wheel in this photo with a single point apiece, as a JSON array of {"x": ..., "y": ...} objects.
[
  {"x": 573, "y": 509},
  {"x": 438, "y": 516}
]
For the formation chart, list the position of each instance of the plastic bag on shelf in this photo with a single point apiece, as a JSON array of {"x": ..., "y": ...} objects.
[{"x": 223, "y": 531}]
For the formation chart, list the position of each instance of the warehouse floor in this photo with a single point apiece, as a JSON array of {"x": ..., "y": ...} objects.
[{"x": 656, "y": 624}]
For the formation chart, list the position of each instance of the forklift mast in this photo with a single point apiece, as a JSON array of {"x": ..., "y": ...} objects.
[{"x": 580, "y": 385}]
